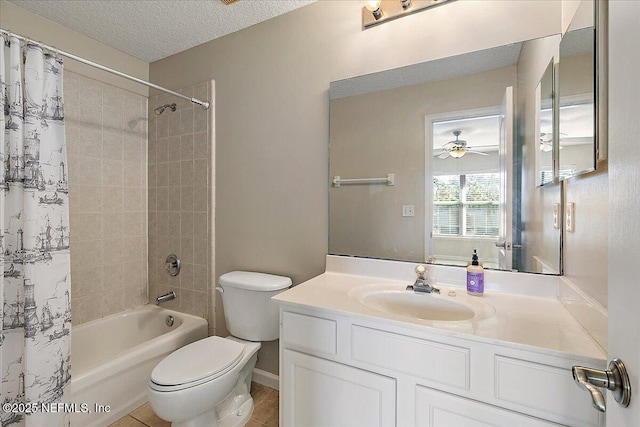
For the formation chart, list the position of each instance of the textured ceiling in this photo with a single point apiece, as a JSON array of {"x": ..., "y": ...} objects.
[{"x": 154, "y": 29}]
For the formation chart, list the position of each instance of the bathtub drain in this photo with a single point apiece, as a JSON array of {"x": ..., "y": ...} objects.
[{"x": 169, "y": 321}]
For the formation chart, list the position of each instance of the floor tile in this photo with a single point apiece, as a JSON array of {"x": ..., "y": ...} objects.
[
  {"x": 259, "y": 392},
  {"x": 127, "y": 421},
  {"x": 146, "y": 415},
  {"x": 267, "y": 411}
]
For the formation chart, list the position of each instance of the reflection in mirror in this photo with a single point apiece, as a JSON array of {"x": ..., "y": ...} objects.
[
  {"x": 440, "y": 128},
  {"x": 545, "y": 128},
  {"x": 466, "y": 187},
  {"x": 576, "y": 88}
]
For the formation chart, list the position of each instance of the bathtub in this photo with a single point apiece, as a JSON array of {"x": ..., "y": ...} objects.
[{"x": 112, "y": 358}]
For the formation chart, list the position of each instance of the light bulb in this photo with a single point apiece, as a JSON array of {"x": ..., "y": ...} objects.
[
  {"x": 457, "y": 153},
  {"x": 373, "y": 6},
  {"x": 406, "y": 4}
]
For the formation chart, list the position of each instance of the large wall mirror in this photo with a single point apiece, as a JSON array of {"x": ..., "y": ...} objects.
[
  {"x": 434, "y": 162},
  {"x": 576, "y": 87},
  {"x": 546, "y": 128}
]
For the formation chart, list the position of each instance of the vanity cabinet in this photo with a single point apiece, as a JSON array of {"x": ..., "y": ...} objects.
[{"x": 343, "y": 370}]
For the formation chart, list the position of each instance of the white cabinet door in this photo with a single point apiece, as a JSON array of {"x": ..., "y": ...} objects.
[
  {"x": 438, "y": 409},
  {"x": 328, "y": 394}
]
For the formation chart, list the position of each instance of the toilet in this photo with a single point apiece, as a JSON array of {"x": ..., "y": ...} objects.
[{"x": 207, "y": 383}]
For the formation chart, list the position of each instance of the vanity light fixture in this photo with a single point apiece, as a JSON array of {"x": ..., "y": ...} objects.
[
  {"x": 378, "y": 11},
  {"x": 373, "y": 6}
]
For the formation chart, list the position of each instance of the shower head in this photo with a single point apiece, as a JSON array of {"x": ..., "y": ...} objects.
[{"x": 160, "y": 110}]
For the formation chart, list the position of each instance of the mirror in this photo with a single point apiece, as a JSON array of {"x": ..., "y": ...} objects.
[
  {"x": 545, "y": 129},
  {"x": 576, "y": 100},
  {"x": 394, "y": 194}
]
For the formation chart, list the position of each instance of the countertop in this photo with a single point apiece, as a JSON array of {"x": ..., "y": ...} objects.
[{"x": 530, "y": 323}]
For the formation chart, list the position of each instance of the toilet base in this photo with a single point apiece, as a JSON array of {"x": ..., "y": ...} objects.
[
  {"x": 235, "y": 410},
  {"x": 210, "y": 418}
]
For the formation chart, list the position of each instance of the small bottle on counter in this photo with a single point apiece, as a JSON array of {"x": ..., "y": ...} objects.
[{"x": 475, "y": 276}]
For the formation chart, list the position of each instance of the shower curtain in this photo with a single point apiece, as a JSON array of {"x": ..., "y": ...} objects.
[{"x": 35, "y": 342}]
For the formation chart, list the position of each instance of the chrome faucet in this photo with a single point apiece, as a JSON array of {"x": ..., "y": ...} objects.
[
  {"x": 422, "y": 282},
  {"x": 166, "y": 297}
]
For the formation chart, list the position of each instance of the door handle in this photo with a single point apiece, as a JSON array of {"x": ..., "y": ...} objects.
[
  {"x": 614, "y": 379},
  {"x": 504, "y": 245}
]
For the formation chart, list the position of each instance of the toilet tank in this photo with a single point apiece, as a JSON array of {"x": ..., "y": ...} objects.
[{"x": 248, "y": 310}]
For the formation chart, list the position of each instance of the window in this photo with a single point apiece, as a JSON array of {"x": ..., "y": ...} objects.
[{"x": 466, "y": 205}]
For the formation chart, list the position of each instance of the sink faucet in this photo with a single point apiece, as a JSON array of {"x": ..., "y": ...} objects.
[
  {"x": 166, "y": 297},
  {"x": 422, "y": 282}
]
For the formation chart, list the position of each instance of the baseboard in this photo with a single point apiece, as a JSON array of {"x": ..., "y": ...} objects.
[{"x": 266, "y": 379}]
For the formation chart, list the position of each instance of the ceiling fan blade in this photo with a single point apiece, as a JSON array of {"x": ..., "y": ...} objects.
[
  {"x": 545, "y": 148},
  {"x": 443, "y": 155},
  {"x": 577, "y": 139},
  {"x": 449, "y": 145},
  {"x": 477, "y": 152}
]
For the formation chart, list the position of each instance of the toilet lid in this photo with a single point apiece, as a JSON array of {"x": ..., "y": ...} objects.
[{"x": 203, "y": 359}]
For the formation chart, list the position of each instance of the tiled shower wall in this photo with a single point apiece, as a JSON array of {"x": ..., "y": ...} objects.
[
  {"x": 106, "y": 136},
  {"x": 180, "y": 200}
]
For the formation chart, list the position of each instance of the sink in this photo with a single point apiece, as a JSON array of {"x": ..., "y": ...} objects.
[
  {"x": 419, "y": 306},
  {"x": 449, "y": 306}
]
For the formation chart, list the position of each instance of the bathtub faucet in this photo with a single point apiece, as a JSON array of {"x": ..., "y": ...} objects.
[{"x": 166, "y": 297}]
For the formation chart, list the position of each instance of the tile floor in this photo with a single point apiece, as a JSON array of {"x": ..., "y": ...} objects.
[{"x": 265, "y": 411}]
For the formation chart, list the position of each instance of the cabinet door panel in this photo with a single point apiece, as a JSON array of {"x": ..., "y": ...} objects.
[
  {"x": 323, "y": 393},
  {"x": 438, "y": 409}
]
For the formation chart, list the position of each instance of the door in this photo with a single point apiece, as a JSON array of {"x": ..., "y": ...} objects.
[
  {"x": 624, "y": 202},
  {"x": 505, "y": 231}
]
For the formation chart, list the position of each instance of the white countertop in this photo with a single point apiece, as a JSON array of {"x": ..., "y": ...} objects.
[{"x": 532, "y": 323}]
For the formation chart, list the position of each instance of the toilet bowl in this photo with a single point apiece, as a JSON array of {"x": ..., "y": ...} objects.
[{"x": 207, "y": 383}]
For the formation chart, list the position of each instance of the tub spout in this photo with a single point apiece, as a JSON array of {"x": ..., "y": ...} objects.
[{"x": 166, "y": 297}]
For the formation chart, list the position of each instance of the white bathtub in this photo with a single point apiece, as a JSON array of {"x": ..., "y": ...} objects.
[{"x": 112, "y": 358}]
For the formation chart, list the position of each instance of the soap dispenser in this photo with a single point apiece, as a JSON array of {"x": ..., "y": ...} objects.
[{"x": 475, "y": 276}]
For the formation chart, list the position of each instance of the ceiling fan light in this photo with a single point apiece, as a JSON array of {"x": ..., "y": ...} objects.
[{"x": 457, "y": 153}]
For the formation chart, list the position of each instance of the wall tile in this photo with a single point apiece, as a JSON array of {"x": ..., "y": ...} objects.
[
  {"x": 174, "y": 173},
  {"x": 99, "y": 167},
  {"x": 162, "y": 149},
  {"x": 173, "y": 226},
  {"x": 173, "y": 149},
  {"x": 112, "y": 145},
  {"x": 200, "y": 172},
  {"x": 133, "y": 174},
  {"x": 186, "y": 199},
  {"x": 186, "y": 147},
  {"x": 174, "y": 198},
  {"x": 200, "y": 146},
  {"x": 112, "y": 173},
  {"x": 112, "y": 199},
  {"x": 186, "y": 122},
  {"x": 187, "y": 173}
]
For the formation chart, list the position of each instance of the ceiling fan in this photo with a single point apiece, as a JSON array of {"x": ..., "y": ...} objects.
[
  {"x": 457, "y": 148},
  {"x": 546, "y": 140}
]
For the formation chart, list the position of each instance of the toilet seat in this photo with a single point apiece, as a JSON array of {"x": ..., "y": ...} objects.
[{"x": 196, "y": 363}]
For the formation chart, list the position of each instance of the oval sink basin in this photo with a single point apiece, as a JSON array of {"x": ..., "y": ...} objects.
[
  {"x": 451, "y": 305},
  {"x": 417, "y": 305}
]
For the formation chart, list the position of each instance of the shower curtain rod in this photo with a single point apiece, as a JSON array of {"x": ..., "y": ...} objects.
[{"x": 204, "y": 104}]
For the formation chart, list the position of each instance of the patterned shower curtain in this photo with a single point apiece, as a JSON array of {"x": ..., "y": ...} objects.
[{"x": 35, "y": 346}]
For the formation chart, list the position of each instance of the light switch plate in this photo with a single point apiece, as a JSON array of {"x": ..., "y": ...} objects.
[
  {"x": 556, "y": 216},
  {"x": 570, "y": 217},
  {"x": 408, "y": 210}
]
